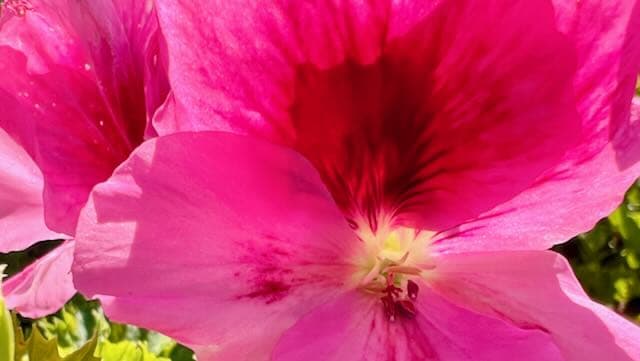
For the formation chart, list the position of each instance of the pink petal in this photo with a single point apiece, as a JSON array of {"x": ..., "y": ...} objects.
[
  {"x": 608, "y": 52},
  {"x": 565, "y": 201},
  {"x": 212, "y": 238},
  {"x": 592, "y": 178},
  {"x": 73, "y": 93},
  {"x": 21, "y": 211},
  {"x": 270, "y": 44},
  {"x": 538, "y": 289},
  {"x": 44, "y": 286},
  {"x": 137, "y": 50},
  {"x": 354, "y": 327},
  {"x": 431, "y": 113}
]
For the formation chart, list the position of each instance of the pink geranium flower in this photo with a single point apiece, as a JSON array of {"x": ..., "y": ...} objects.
[
  {"x": 79, "y": 82},
  {"x": 402, "y": 167}
]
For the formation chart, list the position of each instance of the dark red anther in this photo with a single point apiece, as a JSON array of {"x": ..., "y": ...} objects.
[
  {"x": 389, "y": 307},
  {"x": 412, "y": 289},
  {"x": 406, "y": 308}
]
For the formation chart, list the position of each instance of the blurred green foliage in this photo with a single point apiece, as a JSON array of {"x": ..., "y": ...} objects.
[
  {"x": 606, "y": 260},
  {"x": 36, "y": 347},
  {"x": 7, "y": 335},
  {"x": 73, "y": 327},
  {"x": 76, "y": 325}
]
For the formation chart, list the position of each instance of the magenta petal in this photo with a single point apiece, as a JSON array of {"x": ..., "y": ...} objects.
[
  {"x": 563, "y": 202},
  {"x": 74, "y": 93},
  {"x": 591, "y": 179},
  {"x": 538, "y": 290},
  {"x": 136, "y": 58},
  {"x": 604, "y": 33},
  {"x": 50, "y": 117},
  {"x": 353, "y": 327},
  {"x": 21, "y": 210},
  {"x": 431, "y": 111},
  {"x": 212, "y": 238},
  {"x": 209, "y": 47},
  {"x": 44, "y": 286}
]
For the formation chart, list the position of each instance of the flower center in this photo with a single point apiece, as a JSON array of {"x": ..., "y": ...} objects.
[{"x": 393, "y": 261}]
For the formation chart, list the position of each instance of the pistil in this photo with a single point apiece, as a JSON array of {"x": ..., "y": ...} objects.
[
  {"x": 395, "y": 254},
  {"x": 384, "y": 278},
  {"x": 394, "y": 301}
]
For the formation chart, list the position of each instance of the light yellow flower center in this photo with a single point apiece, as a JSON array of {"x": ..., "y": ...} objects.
[{"x": 392, "y": 261}]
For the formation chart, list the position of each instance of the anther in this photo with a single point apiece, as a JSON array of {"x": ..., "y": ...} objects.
[
  {"x": 412, "y": 289},
  {"x": 389, "y": 307},
  {"x": 406, "y": 308}
]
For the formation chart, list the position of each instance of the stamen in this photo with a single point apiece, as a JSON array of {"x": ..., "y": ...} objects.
[
  {"x": 407, "y": 270},
  {"x": 393, "y": 291},
  {"x": 399, "y": 254},
  {"x": 404, "y": 258},
  {"x": 412, "y": 289},
  {"x": 406, "y": 308},
  {"x": 389, "y": 278},
  {"x": 392, "y": 301},
  {"x": 389, "y": 307},
  {"x": 374, "y": 287},
  {"x": 375, "y": 271}
]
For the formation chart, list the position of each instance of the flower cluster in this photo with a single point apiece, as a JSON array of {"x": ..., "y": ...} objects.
[{"x": 321, "y": 179}]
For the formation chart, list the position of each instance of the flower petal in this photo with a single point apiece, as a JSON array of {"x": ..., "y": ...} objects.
[
  {"x": 73, "y": 88},
  {"x": 565, "y": 201},
  {"x": 44, "y": 286},
  {"x": 538, "y": 289},
  {"x": 210, "y": 47},
  {"x": 21, "y": 211},
  {"x": 592, "y": 178},
  {"x": 389, "y": 102},
  {"x": 354, "y": 327},
  {"x": 608, "y": 53},
  {"x": 212, "y": 238}
]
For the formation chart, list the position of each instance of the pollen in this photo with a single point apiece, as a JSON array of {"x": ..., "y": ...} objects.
[{"x": 393, "y": 263}]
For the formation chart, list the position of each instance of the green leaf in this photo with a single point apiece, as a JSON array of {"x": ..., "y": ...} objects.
[
  {"x": 79, "y": 319},
  {"x": 129, "y": 351},
  {"x": 628, "y": 225},
  {"x": 86, "y": 352},
  {"x": 38, "y": 348},
  {"x": 7, "y": 338},
  {"x": 20, "y": 342}
]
